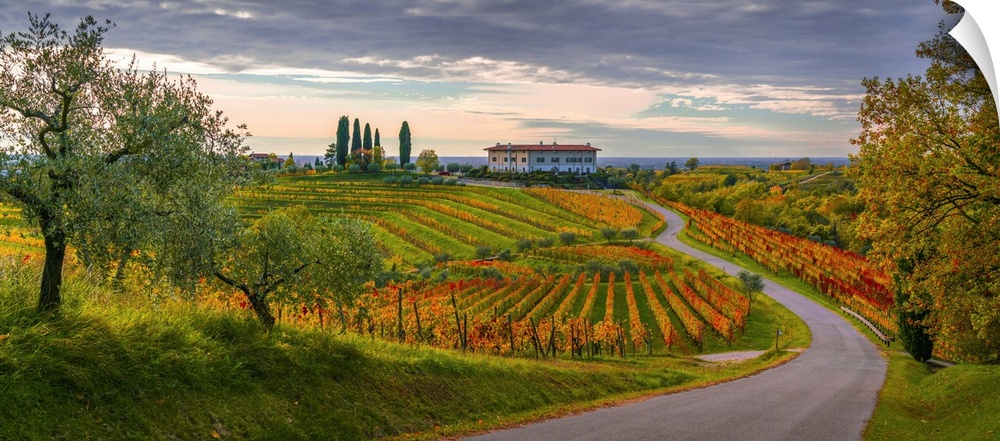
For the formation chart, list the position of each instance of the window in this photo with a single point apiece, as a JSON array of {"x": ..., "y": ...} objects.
[
  {"x": 494, "y": 159},
  {"x": 524, "y": 159},
  {"x": 541, "y": 159},
  {"x": 504, "y": 159},
  {"x": 555, "y": 159},
  {"x": 588, "y": 159}
]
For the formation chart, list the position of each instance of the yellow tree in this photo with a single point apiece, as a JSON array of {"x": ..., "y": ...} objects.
[
  {"x": 428, "y": 161},
  {"x": 928, "y": 169}
]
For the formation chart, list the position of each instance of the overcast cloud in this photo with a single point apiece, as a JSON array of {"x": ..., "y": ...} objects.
[{"x": 634, "y": 77}]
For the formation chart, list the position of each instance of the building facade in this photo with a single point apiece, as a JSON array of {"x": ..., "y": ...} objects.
[{"x": 524, "y": 158}]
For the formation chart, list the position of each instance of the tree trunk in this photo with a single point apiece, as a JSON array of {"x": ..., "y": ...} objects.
[
  {"x": 50, "y": 297},
  {"x": 262, "y": 309}
]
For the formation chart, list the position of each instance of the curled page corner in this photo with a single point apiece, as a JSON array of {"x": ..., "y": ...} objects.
[{"x": 975, "y": 38}]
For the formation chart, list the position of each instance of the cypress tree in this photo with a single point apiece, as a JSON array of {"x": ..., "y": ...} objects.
[
  {"x": 367, "y": 141},
  {"x": 377, "y": 141},
  {"x": 343, "y": 138},
  {"x": 356, "y": 136},
  {"x": 404, "y": 144}
]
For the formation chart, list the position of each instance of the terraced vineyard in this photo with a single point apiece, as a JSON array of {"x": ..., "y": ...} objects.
[{"x": 417, "y": 223}]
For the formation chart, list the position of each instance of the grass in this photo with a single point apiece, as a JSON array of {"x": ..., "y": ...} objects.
[
  {"x": 121, "y": 368},
  {"x": 955, "y": 403}
]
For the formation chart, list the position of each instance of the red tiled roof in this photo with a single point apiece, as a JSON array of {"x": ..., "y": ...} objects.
[{"x": 544, "y": 147}]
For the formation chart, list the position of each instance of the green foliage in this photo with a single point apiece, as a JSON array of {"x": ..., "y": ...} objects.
[
  {"x": 409, "y": 166},
  {"x": 389, "y": 179},
  {"x": 751, "y": 282},
  {"x": 483, "y": 252},
  {"x": 609, "y": 234},
  {"x": 423, "y": 180},
  {"x": 366, "y": 141},
  {"x": 567, "y": 238},
  {"x": 111, "y": 160},
  {"x": 290, "y": 257},
  {"x": 405, "y": 180},
  {"x": 692, "y": 164},
  {"x": 630, "y": 234},
  {"x": 523, "y": 244},
  {"x": 437, "y": 180},
  {"x": 343, "y": 139},
  {"x": 545, "y": 242},
  {"x": 428, "y": 161},
  {"x": 405, "y": 143},
  {"x": 373, "y": 168},
  {"x": 356, "y": 136},
  {"x": 354, "y": 168}
]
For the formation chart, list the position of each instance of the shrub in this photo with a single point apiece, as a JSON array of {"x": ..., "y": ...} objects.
[
  {"x": 567, "y": 238},
  {"x": 442, "y": 257},
  {"x": 483, "y": 252},
  {"x": 451, "y": 182},
  {"x": 389, "y": 180},
  {"x": 423, "y": 180},
  {"x": 354, "y": 168},
  {"x": 405, "y": 180},
  {"x": 523, "y": 244},
  {"x": 374, "y": 168},
  {"x": 546, "y": 242},
  {"x": 505, "y": 254},
  {"x": 437, "y": 180}
]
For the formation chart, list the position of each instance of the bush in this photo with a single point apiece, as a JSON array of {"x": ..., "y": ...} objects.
[
  {"x": 374, "y": 168},
  {"x": 409, "y": 166},
  {"x": 423, "y": 180},
  {"x": 405, "y": 180},
  {"x": 389, "y": 180},
  {"x": 523, "y": 244},
  {"x": 425, "y": 273},
  {"x": 483, "y": 252},
  {"x": 451, "y": 182},
  {"x": 546, "y": 242},
  {"x": 442, "y": 257},
  {"x": 437, "y": 180},
  {"x": 505, "y": 255},
  {"x": 391, "y": 166},
  {"x": 567, "y": 238},
  {"x": 336, "y": 168},
  {"x": 354, "y": 168}
]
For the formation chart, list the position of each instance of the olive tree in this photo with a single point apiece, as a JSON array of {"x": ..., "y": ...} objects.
[
  {"x": 109, "y": 160},
  {"x": 291, "y": 257}
]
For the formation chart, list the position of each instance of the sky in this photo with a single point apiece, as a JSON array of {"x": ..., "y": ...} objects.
[{"x": 636, "y": 78}]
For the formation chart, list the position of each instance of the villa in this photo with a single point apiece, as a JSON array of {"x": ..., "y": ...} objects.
[{"x": 554, "y": 157}]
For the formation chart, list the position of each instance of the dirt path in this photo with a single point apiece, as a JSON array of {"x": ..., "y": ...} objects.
[{"x": 827, "y": 393}]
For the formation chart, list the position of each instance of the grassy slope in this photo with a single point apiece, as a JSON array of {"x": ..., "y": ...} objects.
[
  {"x": 102, "y": 371},
  {"x": 960, "y": 402}
]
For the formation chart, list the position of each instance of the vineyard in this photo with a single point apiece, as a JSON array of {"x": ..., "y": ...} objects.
[
  {"x": 417, "y": 223},
  {"x": 846, "y": 277},
  {"x": 652, "y": 310}
]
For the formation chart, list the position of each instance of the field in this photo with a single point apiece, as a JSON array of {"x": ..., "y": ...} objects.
[
  {"x": 418, "y": 222},
  {"x": 606, "y": 322}
]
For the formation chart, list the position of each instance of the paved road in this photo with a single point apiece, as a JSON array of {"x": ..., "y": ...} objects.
[{"x": 827, "y": 393}]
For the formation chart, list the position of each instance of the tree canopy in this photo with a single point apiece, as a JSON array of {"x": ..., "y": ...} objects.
[
  {"x": 404, "y": 143},
  {"x": 428, "y": 161},
  {"x": 343, "y": 139},
  {"x": 928, "y": 169},
  {"x": 293, "y": 258},
  {"x": 110, "y": 160}
]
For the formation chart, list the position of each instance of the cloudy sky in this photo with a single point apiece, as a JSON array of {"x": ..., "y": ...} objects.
[{"x": 634, "y": 77}]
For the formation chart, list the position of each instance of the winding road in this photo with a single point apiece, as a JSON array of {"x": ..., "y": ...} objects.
[{"x": 827, "y": 393}]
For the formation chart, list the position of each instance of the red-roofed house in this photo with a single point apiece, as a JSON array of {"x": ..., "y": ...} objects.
[{"x": 553, "y": 157}]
